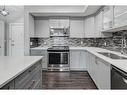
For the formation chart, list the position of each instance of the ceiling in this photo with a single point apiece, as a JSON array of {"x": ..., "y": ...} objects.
[
  {"x": 65, "y": 10},
  {"x": 14, "y": 12},
  {"x": 60, "y": 10}
]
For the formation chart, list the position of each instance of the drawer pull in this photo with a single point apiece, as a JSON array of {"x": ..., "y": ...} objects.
[
  {"x": 29, "y": 71},
  {"x": 8, "y": 87}
]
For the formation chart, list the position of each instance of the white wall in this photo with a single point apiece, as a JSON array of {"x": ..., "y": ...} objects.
[
  {"x": 16, "y": 15},
  {"x": 32, "y": 25},
  {"x": 20, "y": 20}
]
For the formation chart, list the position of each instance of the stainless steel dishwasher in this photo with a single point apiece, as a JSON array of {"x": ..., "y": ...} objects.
[{"x": 118, "y": 78}]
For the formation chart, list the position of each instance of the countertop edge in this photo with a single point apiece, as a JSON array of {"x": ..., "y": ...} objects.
[{"x": 9, "y": 80}]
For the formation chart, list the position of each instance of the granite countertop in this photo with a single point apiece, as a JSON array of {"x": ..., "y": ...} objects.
[
  {"x": 12, "y": 66},
  {"x": 39, "y": 48},
  {"x": 120, "y": 63}
]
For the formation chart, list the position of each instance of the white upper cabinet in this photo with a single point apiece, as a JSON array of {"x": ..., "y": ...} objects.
[
  {"x": 59, "y": 23},
  {"x": 114, "y": 18},
  {"x": 89, "y": 27},
  {"x": 64, "y": 23},
  {"x": 120, "y": 16},
  {"x": 77, "y": 28},
  {"x": 98, "y": 24},
  {"x": 107, "y": 17},
  {"x": 42, "y": 28}
]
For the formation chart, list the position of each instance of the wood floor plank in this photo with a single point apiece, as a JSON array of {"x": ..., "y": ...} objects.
[{"x": 67, "y": 80}]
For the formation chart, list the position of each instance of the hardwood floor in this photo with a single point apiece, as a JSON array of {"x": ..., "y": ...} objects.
[{"x": 67, "y": 80}]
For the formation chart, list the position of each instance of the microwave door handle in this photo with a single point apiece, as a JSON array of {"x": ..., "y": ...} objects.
[{"x": 125, "y": 80}]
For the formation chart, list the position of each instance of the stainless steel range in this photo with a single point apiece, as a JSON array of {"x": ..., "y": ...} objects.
[{"x": 58, "y": 58}]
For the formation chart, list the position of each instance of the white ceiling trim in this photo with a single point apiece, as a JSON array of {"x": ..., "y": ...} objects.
[{"x": 61, "y": 10}]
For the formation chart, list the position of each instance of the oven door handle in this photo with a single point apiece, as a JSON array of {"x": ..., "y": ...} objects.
[{"x": 58, "y": 52}]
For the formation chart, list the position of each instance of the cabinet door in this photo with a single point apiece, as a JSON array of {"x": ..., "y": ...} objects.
[
  {"x": 54, "y": 23},
  {"x": 83, "y": 60},
  {"x": 107, "y": 17},
  {"x": 44, "y": 60},
  {"x": 42, "y": 28},
  {"x": 64, "y": 23},
  {"x": 98, "y": 24},
  {"x": 120, "y": 16},
  {"x": 103, "y": 74},
  {"x": 92, "y": 67},
  {"x": 10, "y": 85},
  {"x": 87, "y": 61},
  {"x": 2, "y": 38},
  {"x": 89, "y": 27},
  {"x": 76, "y": 28},
  {"x": 74, "y": 59}
]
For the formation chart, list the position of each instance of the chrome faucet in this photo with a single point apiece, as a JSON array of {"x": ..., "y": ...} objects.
[{"x": 123, "y": 45}]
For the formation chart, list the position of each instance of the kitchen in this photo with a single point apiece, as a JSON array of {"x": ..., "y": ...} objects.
[{"x": 64, "y": 47}]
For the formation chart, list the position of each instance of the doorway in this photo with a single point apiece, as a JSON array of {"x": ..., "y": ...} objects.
[
  {"x": 16, "y": 39},
  {"x": 2, "y": 48}
]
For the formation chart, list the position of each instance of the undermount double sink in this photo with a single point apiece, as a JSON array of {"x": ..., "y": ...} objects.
[{"x": 112, "y": 55}]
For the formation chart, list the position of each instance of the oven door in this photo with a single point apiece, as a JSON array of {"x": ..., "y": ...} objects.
[{"x": 58, "y": 58}]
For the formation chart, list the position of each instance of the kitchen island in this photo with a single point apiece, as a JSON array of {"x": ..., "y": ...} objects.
[{"x": 22, "y": 72}]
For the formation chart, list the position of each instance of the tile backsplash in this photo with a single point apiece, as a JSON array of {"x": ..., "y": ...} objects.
[{"x": 114, "y": 41}]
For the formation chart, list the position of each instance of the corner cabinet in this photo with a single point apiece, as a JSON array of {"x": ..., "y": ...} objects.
[
  {"x": 77, "y": 28},
  {"x": 89, "y": 27}
]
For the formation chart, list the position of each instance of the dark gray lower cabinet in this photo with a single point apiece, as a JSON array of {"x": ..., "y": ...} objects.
[
  {"x": 10, "y": 85},
  {"x": 30, "y": 79}
]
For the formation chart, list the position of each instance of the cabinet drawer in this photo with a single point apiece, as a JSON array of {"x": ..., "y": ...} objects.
[
  {"x": 25, "y": 77},
  {"x": 10, "y": 85},
  {"x": 35, "y": 80}
]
